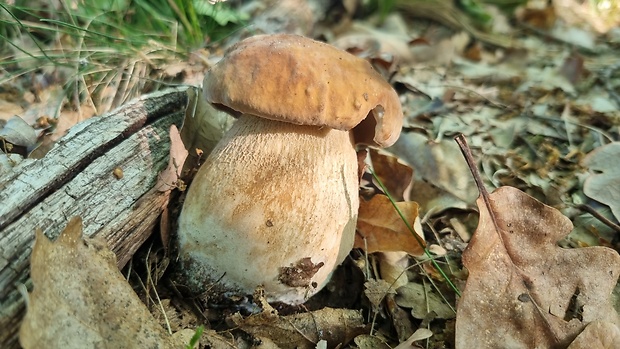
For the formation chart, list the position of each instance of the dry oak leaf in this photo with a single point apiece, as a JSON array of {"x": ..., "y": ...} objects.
[
  {"x": 598, "y": 335},
  {"x": 305, "y": 330},
  {"x": 81, "y": 300},
  {"x": 523, "y": 290},
  {"x": 381, "y": 229},
  {"x": 395, "y": 175}
]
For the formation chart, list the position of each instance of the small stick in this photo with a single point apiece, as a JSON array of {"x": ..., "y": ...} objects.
[
  {"x": 471, "y": 163},
  {"x": 598, "y": 216}
]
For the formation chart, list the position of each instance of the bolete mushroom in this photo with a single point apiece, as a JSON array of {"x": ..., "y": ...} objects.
[{"x": 275, "y": 203}]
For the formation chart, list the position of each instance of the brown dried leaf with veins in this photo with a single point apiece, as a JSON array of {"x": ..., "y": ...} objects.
[
  {"x": 394, "y": 173},
  {"x": 81, "y": 300},
  {"x": 381, "y": 229},
  {"x": 523, "y": 290}
]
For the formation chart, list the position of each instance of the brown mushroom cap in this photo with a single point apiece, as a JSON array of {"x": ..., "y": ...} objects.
[{"x": 298, "y": 80}]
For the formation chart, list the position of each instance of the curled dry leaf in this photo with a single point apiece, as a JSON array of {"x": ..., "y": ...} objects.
[
  {"x": 393, "y": 267},
  {"x": 603, "y": 184},
  {"x": 304, "y": 330},
  {"x": 418, "y": 335},
  {"x": 18, "y": 132},
  {"x": 394, "y": 174},
  {"x": 213, "y": 340},
  {"x": 81, "y": 300},
  {"x": 385, "y": 42},
  {"x": 169, "y": 178},
  {"x": 401, "y": 319},
  {"x": 286, "y": 16},
  {"x": 523, "y": 290},
  {"x": 381, "y": 229}
]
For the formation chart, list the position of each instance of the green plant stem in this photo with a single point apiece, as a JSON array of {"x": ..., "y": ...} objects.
[{"x": 418, "y": 239}]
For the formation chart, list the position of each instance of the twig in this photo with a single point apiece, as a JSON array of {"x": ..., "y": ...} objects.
[
  {"x": 471, "y": 163},
  {"x": 599, "y": 216}
]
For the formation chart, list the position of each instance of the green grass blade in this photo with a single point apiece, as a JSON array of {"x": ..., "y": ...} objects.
[{"x": 418, "y": 239}]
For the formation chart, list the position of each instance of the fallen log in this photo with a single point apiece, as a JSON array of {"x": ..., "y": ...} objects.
[{"x": 77, "y": 178}]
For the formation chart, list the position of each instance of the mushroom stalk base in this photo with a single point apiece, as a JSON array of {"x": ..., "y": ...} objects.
[{"x": 274, "y": 204}]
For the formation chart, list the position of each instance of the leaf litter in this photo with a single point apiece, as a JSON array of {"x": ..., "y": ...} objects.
[
  {"x": 523, "y": 289},
  {"x": 532, "y": 108},
  {"x": 603, "y": 182},
  {"x": 80, "y": 299}
]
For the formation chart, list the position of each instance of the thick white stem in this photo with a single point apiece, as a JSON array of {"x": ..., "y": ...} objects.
[{"x": 276, "y": 205}]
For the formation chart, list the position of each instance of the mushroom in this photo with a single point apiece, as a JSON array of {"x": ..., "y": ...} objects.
[{"x": 275, "y": 203}]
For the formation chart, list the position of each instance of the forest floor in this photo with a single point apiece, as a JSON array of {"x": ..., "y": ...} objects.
[{"x": 535, "y": 91}]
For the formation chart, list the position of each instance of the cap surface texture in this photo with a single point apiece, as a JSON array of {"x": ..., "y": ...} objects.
[{"x": 298, "y": 80}]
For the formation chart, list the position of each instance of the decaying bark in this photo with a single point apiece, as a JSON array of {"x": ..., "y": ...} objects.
[{"x": 76, "y": 179}]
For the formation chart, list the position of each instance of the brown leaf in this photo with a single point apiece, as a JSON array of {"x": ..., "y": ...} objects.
[
  {"x": 394, "y": 174},
  {"x": 523, "y": 290},
  {"x": 401, "y": 319},
  {"x": 540, "y": 18},
  {"x": 573, "y": 68},
  {"x": 8, "y": 109},
  {"x": 376, "y": 291},
  {"x": 169, "y": 178},
  {"x": 598, "y": 335},
  {"x": 304, "y": 330},
  {"x": 81, "y": 300},
  {"x": 383, "y": 229},
  {"x": 393, "y": 267}
]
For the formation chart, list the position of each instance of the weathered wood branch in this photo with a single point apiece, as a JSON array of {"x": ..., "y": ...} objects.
[{"x": 76, "y": 179}]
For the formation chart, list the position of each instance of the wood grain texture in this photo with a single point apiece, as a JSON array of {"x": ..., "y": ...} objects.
[{"x": 76, "y": 179}]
